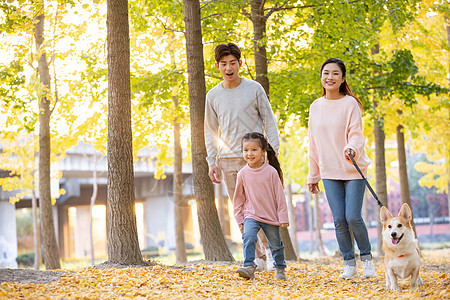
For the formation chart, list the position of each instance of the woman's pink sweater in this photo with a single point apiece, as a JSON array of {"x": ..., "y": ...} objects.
[
  {"x": 259, "y": 195},
  {"x": 334, "y": 126}
]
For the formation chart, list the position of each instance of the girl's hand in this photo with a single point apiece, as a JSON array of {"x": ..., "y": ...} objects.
[
  {"x": 284, "y": 225},
  {"x": 241, "y": 227},
  {"x": 313, "y": 188}
]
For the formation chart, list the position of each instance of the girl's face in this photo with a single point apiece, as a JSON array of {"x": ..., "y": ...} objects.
[
  {"x": 331, "y": 77},
  {"x": 253, "y": 153}
]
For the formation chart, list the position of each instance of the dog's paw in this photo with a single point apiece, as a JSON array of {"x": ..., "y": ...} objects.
[{"x": 394, "y": 287}]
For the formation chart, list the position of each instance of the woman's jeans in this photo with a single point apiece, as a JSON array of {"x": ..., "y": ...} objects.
[
  {"x": 345, "y": 198},
  {"x": 272, "y": 232}
]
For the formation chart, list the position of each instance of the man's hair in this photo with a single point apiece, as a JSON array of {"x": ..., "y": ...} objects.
[{"x": 227, "y": 49}]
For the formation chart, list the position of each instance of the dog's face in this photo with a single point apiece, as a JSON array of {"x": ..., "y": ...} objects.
[{"x": 398, "y": 229}]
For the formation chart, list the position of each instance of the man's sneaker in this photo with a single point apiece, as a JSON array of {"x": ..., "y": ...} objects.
[
  {"x": 247, "y": 272},
  {"x": 280, "y": 274},
  {"x": 368, "y": 269},
  {"x": 349, "y": 272},
  {"x": 261, "y": 265}
]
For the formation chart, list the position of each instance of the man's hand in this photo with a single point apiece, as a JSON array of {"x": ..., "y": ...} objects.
[
  {"x": 284, "y": 225},
  {"x": 313, "y": 188},
  {"x": 214, "y": 173}
]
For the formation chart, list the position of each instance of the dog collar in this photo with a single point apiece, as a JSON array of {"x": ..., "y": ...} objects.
[{"x": 404, "y": 255}]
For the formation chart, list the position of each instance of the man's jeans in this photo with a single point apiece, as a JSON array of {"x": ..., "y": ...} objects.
[
  {"x": 345, "y": 198},
  {"x": 272, "y": 232},
  {"x": 229, "y": 168}
]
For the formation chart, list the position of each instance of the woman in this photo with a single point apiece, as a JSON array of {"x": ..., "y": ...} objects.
[{"x": 335, "y": 132}]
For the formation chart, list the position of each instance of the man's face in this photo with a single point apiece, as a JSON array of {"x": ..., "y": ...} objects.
[{"x": 229, "y": 67}]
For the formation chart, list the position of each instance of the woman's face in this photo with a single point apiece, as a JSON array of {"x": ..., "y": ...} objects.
[{"x": 332, "y": 77}]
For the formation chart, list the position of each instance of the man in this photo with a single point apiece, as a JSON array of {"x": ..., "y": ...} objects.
[{"x": 235, "y": 107}]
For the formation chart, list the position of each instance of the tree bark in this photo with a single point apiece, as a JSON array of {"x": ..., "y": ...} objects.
[
  {"x": 380, "y": 175},
  {"x": 403, "y": 171},
  {"x": 447, "y": 22},
  {"x": 292, "y": 219},
  {"x": 91, "y": 208},
  {"x": 213, "y": 240},
  {"x": 318, "y": 225},
  {"x": 51, "y": 253},
  {"x": 123, "y": 244},
  {"x": 36, "y": 233},
  {"x": 289, "y": 251},
  {"x": 259, "y": 32},
  {"x": 308, "y": 197},
  {"x": 180, "y": 249}
]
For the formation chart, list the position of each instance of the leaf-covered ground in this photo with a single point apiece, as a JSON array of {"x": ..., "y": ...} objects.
[{"x": 312, "y": 279}]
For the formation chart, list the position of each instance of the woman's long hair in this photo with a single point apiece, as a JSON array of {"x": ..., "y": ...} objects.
[
  {"x": 265, "y": 146},
  {"x": 344, "y": 87}
]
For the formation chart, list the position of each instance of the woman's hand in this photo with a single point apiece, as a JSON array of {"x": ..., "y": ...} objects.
[
  {"x": 347, "y": 153},
  {"x": 313, "y": 188},
  {"x": 284, "y": 225}
]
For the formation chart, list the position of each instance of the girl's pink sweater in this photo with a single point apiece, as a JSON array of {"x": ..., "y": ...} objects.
[
  {"x": 334, "y": 126},
  {"x": 259, "y": 195}
]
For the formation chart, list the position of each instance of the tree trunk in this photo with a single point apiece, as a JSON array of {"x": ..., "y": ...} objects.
[
  {"x": 213, "y": 240},
  {"x": 380, "y": 175},
  {"x": 180, "y": 243},
  {"x": 123, "y": 244},
  {"x": 318, "y": 226},
  {"x": 51, "y": 253},
  {"x": 289, "y": 251},
  {"x": 403, "y": 171},
  {"x": 292, "y": 219},
  {"x": 259, "y": 32},
  {"x": 91, "y": 208},
  {"x": 310, "y": 221},
  {"x": 180, "y": 249},
  {"x": 447, "y": 21},
  {"x": 36, "y": 232}
]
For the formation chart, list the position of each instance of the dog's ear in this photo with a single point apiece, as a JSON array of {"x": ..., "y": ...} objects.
[
  {"x": 405, "y": 212},
  {"x": 384, "y": 214}
]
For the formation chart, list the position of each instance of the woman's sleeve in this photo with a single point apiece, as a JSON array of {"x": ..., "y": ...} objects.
[
  {"x": 239, "y": 200},
  {"x": 355, "y": 136}
]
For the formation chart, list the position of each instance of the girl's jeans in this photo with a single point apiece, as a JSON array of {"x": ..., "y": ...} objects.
[
  {"x": 272, "y": 232},
  {"x": 345, "y": 198}
]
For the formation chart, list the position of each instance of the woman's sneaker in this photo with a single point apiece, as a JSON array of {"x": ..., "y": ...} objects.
[
  {"x": 349, "y": 272},
  {"x": 368, "y": 269},
  {"x": 247, "y": 272}
]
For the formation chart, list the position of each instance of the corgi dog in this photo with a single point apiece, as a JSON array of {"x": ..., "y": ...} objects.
[{"x": 401, "y": 248}]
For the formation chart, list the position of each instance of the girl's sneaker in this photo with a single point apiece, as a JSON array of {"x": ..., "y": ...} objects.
[
  {"x": 280, "y": 274},
  {"x": 247, "y": 272},
  {"x": 368, "y": 269},
  {"x": 349, "y": 272}
]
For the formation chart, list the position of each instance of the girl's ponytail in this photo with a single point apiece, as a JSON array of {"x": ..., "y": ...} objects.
[{"x": 274, "y": 162}]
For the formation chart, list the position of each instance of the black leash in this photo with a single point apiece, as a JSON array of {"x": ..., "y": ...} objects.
[{"x": 367, "y": 183}]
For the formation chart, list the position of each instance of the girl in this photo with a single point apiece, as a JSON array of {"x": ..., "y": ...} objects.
[
  {"x": 335, "y": 132},
  {"x": 259, "y": 202}
]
